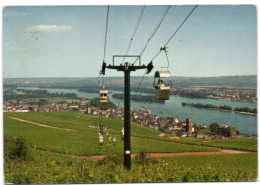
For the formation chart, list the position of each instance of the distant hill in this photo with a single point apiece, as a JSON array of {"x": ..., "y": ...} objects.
[
  {"x": 178, "y": 81},
  {"x": 235, "y": 81}
]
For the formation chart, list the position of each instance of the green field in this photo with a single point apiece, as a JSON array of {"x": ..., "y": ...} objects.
[
  {"x": 48, "y": 162},
  {"x": 84, "y": 141},
  {"x": 241, "y": 143}
]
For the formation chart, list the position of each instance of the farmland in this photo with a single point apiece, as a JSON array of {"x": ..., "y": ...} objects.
[{"x": 58, "y": 156}]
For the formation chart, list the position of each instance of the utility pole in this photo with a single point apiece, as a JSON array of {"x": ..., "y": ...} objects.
[{"x": 127, "y": 68}]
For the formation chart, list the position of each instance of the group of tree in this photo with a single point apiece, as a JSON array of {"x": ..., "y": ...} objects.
[
  {"x": 11, "y": 95},
  {"x": 199, "y": 105},
  {"x": 221, "y": 107},
  {"x": 40, "y": 102},
  {"x": 245, "y": 109},
  {"x": 216, "y": 129},
  {"x": 225, "y": 107},
  {"x": 9, "y": 86}
]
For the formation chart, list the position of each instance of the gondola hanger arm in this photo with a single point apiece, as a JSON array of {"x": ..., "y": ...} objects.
[
  {"x": 99, "y": 84},
  {"x": 166, "y": 50}
]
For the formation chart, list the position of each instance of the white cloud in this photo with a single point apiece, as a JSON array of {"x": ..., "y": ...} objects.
[
  {"x": 49, "y": 28},
  {"x": 9, "y": 47}
]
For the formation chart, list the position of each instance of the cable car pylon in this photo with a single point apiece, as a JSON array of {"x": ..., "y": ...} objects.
[{"x": 127, "y": 68}]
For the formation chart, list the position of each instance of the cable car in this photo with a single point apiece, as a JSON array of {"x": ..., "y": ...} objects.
[
  {"x": 114, "y": 140},
  {"x": 103, "y": 98},
  {"x": 162, "y": 81},
  {"x": 122, "y": 133},
  {"x": 162, "y": 85},
  {"x": 100, "y": 139}
]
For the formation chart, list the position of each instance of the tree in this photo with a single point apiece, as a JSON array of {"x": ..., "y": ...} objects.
[
  {"x": 43, "y": 101},
  {"x": 226, "y": 132},
  {"x": 75, "y": 109},
  {"x": 18, "y": 101},
  {"x": 196, "y": 128},
  {"x": 31, "y": 108},
  {"x": 214, "y": 127}
]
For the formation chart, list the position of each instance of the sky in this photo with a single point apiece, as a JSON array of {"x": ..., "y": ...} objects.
[{"x": 68, "y": 41}]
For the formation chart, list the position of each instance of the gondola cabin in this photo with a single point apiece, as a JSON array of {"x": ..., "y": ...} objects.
[
  {"x": 103, "y": 99},
  {"x": 101, "y": 139},
  {"x": 122, "y": 133},
  {"x": 114, "y": 140},
  {"x": 162, "y": 85}
]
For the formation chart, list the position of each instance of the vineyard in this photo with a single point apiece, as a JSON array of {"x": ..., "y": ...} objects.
[
  {"x": 53, "y": 168},
  {"x": 57, "y": 154}
]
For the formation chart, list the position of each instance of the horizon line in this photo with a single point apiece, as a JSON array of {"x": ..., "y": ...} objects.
[{"x": 133, "y": 76}]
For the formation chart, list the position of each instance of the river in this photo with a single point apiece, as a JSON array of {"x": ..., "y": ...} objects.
[{"x": 244, "y": 123}]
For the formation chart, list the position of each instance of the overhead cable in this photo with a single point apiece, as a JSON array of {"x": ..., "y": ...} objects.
[
  {"x": 155, "y": 30},
  {"x": 132, "y": 37},
  {"x": 175, "y": 31},
  {"x": 166, "y": 44},
  {"x": 135, "y": 30},
  {"x": 104, "y": 56}
]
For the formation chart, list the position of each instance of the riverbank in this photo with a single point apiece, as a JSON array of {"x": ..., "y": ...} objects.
[
  {"x": 216, "y": 98},
  {"x": 247, "y": 113},
  {"x": 228, "y": 99},
  {"x": 173, "y": 107},
  {"x": 147, "y": 93},
  {"x": 224, "y": 108}
]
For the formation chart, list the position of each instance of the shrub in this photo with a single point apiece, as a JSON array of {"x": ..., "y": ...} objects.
[
  {"x": 143, "y": 159},
  {"x": 111, "y": 159},
  {"x": 15, "y": 147}
]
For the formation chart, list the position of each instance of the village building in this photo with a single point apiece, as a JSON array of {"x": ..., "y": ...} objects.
[{"x": 189, "y": 126}]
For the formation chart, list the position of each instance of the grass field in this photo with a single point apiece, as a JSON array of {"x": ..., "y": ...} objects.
[
  {"x": 81, "y": 122},
  {"x": 85, "y": 140},
  {"x": 50, "y": 164},
  {"x": 241, "y": 143}
]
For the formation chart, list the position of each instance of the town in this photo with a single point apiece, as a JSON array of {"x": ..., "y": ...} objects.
[
  {"x": 143, "y": 117},
  {"x": 217, "y": 93}
]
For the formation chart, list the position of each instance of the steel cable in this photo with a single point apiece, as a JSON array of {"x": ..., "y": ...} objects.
[
  {"x": 135, "y": 30},
  {"x": 155, "y": 30}
]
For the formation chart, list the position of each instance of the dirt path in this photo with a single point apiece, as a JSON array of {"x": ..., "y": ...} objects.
[
  {"x": 39, "y": 124},
  {"x": 161, "y": 135},
  {"x": 99, "y": 157},
  {"x": 195, "y": 153},
  {"x": 222, "y": 152}
]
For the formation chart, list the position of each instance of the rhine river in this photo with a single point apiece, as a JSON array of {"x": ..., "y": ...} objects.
[{"x": 173, "y": 108}]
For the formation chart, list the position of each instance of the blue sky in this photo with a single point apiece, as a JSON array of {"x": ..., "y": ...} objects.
[{"x": 68, "y": 41}]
